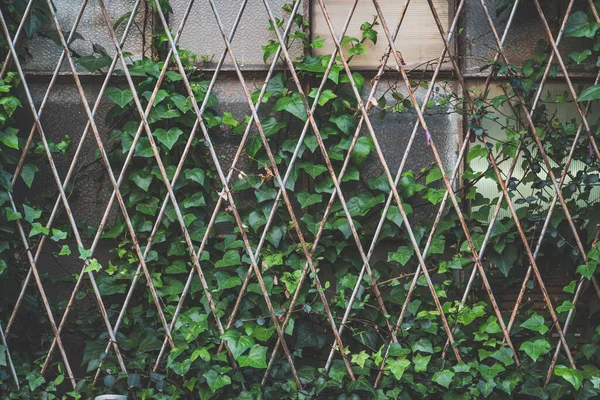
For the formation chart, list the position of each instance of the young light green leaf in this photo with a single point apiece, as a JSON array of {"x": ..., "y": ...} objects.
[
  {"x": 65, "y": 251},
  {"x": 12, "y": 215},
  {"x": 93, "y": 266},
  {"x": 360, "y": 358},
  {"x": 9, "y": 137},
  {"x": 536, "y": 348},
  {"x": 398, "y": 367},
  {"x": 588, "y": 269},
  {"x": 573, "y": 376}
]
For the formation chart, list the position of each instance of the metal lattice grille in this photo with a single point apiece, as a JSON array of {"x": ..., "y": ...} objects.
[{"x": 310, "y": 273}]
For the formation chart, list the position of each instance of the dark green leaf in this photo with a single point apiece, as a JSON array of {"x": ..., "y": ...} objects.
[{"x": 293, "y": 105}]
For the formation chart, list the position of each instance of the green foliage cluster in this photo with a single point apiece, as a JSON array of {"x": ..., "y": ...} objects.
[{"x": 413, "y": 367}]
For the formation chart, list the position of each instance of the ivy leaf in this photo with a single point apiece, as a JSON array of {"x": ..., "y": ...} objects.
[
  {"x": 395, "y": 216},
  {"x": 580, "y": 57},
  {"x": 276, "y": 86},
  {"x": 532, "y": 388},
  {"x": 293, "y": 105},
  {"x": 535, "y": 323},
  {"x": 504, "y": 355},
  {"x": 143, "y": 179},
  {"x": 93, "y": 63},
  {"x": 317, "y": 43},
  {"x": 337, "y": 371},
  {"x": 571, "y": 375},
  {"x": 93, "y": 266},
  {"x": 580, "y": 25},
  {"x": 215, "y": 380},
  {"x": 422, "y": 345},
  {"x": 257, "y": 358},
  {"x": 588, "y": 269},
  {"x": 360, "y": 358},
  {"x": 227, "y": 282},
  {"x": 65, "y": 251},
  {"x": 57, "y": 235},
  {"x": 434, "y": 175},
  {"x": 10, "y": 104},
  {"x": 230, "y": 259},
  {"x": 143, "y": 148},
  {"x": 505, "y": 260},
  {"x": 313, "y": 170},
  {"x": 443, "y": 378},
  {"x": 3, "y": 356},
  {"x": 271, "y": 126},
  {"x": 37, "y": 228},
  {"x": 306, "y": 199},
  {"x": 558, "y": 391},
  {"x": 195, "y": 174},
  {"x": 345, "y": 123},
  {"x": 570, "y": 288},
  {"x": 591, "y": 93},
  {"x": 402, "y": 255},
  {"x": 35, "y": 381},
  {"x": 9, "y": 138},
  {"x": 31, "y": 214},
  {"x": 168, "y": 138},
  {"x": 308, "y": 336},
  {"x": 361, "y": 151},
  {"x": 565, "y": 306},
  {"x": 183, "y": 103},
  {"x": 12, "y": 215},
  {"x": 237, "y": 342},
  {"x": 325, "y": 96},
  {"x": 398, "y": 367},
  {"x": 486, "y": 387},
  {"x": 119, "y": 97},
  {"x": 84, "y": 254},
  {"x": 359, "y": 80},
  {"x": 536, "y": 348},
  {"x": 421, "y": 362},
  {"x": 28, "y": 173}
]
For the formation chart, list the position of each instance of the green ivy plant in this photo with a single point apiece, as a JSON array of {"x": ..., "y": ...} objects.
[{"x": 414, "y": 367}]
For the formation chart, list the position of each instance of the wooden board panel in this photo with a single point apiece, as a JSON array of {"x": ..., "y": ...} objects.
[{"x": 419, "y": 40}]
